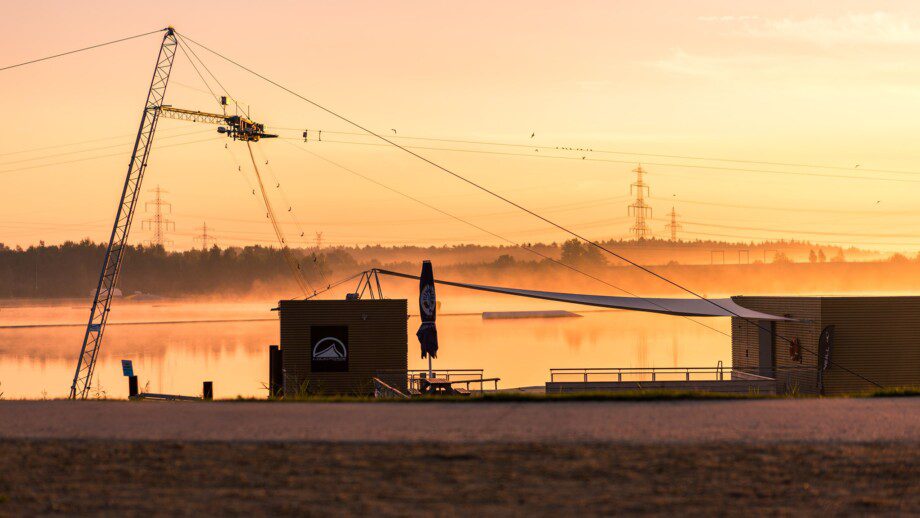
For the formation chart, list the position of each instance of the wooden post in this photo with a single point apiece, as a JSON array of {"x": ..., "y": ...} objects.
[
  {"x": 275, "y": 378},
  {"x": 208, "y": 390},
  {"x": 132, "y": 387}
]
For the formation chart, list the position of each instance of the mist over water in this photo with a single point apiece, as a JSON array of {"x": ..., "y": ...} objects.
[
  {"x": 176, "y": 344},
  {"x": 175, "y": 358}
]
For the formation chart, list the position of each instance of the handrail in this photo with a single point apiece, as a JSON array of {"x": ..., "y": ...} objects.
[
  {"x": 718, "y": 372},
  {"x": 414, "y": 377},
  {"x": 383, "y": 391},
  {"x": 467, "y": 376}
]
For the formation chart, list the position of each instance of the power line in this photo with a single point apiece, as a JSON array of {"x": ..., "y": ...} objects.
[
  {"x": 80, "y": 143},
  {"x": 496, "y": 235},
  {"x": 503, "y": 198},
  {"x": 807, "y": 232},
  {"x": 80, "y": 50},
  {"x": 97, "y": 148},
  {"x": 101, "y": 156},
  {"x": 583, "y": 149},
  {"x": 790, "y": 209},
  {"x": 585, "y": 158}
]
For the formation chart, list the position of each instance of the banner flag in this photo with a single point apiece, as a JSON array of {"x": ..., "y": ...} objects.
[
  {"x": 825, "y": 341},
  {"x": 427, "y": 307}
]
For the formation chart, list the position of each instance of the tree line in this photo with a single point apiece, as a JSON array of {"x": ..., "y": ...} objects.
[{"x": 72, "y": 269}]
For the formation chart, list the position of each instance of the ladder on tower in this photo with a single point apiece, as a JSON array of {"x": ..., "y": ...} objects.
[
  {"x": 111, "y": 266},
  {"x": 237, "y": 127}
]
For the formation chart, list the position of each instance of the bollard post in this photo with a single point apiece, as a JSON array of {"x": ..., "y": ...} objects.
[
  {"x": 132, "y": 387},
  {"x": 275, "y": 379},
  {"x": 208, "y": 390}
]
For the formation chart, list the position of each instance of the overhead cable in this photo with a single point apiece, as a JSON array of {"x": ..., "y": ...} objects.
[{"x": 80, "y": 50}]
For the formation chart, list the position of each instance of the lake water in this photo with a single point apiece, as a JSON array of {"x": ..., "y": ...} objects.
[{"x": 171, "y": 357}]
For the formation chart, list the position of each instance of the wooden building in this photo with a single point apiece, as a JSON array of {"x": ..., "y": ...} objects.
[
  {"x": 872, "y": 338},
  {"x": 337, "y": 347}
]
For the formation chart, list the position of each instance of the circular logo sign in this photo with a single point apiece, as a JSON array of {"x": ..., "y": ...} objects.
[{"x": 427, "y": 300}]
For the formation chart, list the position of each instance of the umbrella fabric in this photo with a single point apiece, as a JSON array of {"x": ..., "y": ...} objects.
[{"x": 427, "y": 308}]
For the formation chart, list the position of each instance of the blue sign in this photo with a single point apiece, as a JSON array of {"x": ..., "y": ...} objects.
[{"x": 127, "y": 368}]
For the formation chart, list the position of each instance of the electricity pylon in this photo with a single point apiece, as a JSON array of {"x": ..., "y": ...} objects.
[
  {"x": 639, "y": 208},
  {"x": 204, "y": 237},
  {"x": 673, "y": 226},
  {"x": 158, "y": 223}
]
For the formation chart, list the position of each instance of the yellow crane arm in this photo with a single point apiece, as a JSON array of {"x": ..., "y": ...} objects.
[{"x": 237, "y": 126}]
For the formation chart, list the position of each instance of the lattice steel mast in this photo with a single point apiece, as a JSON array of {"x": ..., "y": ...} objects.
[
  {"x": 639, "y": 208},
  {"x": 673, "y": 226},
  {"x": 204, "y": 237},
  {"x": 159, "y": 224},
  {"x": 111, "y": 265}
]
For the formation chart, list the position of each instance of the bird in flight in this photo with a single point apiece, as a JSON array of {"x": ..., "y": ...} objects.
[
  {"x": 393, "y": 130},
  {"x": 532, "y": 134}
]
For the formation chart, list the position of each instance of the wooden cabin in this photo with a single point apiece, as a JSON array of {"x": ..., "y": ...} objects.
[
  {"x": 874, "y": 339},
  {"x": 337, "y": 347}
]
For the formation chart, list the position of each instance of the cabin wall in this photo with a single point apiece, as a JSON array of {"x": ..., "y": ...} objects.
[
  {"x": 377, "y": 345},
  {"x": 794, "y": 374},
  {"x": 879, "y": 340}
]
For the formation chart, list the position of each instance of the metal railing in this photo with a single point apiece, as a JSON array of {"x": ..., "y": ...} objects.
[
  {"x": 384, "y": 391},
  {"x": 633, "y": 374},
  {"x": 630, "y": 374},
  {"x": 466, "y": 376}
]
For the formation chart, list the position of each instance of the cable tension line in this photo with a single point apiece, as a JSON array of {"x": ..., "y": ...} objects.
[
  {"x": 504, "y": 199},
  {"x": 69, "y": 52}
]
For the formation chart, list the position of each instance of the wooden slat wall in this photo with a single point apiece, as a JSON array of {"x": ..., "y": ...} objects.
[
  {"x": 876, "y": 337},
  {"x": 377, "y": 344},
  {"x": 789, "y": 373}
]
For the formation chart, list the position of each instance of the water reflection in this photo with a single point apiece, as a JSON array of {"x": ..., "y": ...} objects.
[{"x": 176, "y": 358}]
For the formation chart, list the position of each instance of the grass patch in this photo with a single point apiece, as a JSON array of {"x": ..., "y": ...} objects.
[
  {"x": 638, "y": 395},
  {"x": 895, "y": 392}
]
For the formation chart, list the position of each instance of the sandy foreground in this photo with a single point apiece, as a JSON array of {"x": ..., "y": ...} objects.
[{"x": 843, "y": 456}]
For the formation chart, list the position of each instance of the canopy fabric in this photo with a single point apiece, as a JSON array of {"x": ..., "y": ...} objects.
[{"x": 725, "y": 307}]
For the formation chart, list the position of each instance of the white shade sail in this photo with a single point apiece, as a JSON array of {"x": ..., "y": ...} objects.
[{"x": 725, "y": 307}]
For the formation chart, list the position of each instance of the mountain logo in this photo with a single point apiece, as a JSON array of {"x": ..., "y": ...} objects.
[{"x": 329, "y": 348}]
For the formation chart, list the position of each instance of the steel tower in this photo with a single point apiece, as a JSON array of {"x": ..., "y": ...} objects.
[
  {"x": 204, "y": 237},
  {"x": 673, "y": 226},
  {"x": 111, "y": 265},
  {"x": 158, "y": 223},
  {"x": 639, "y": 208}
]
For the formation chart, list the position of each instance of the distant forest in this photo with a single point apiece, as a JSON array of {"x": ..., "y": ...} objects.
[{"x": 72, "y": 269}]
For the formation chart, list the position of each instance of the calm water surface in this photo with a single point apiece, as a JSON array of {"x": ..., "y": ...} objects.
[{"x": 176, "y": 357}]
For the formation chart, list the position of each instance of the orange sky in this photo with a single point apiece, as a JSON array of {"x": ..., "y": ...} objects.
[{"x": 828, "y": 83}]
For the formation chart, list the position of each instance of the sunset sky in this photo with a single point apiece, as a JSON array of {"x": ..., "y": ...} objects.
[{"x": 825, "y": 83}]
